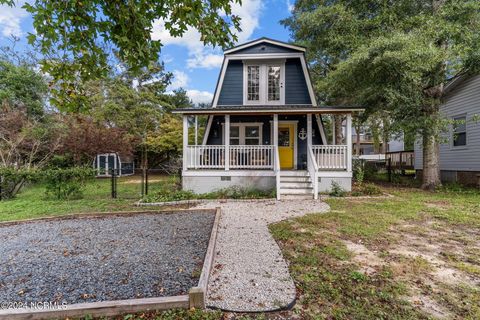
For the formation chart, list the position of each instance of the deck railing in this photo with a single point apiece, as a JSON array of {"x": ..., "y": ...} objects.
[
  {"x": 330, "y": 157},
  {"x": 312, "y": 167},
  {"x": 241, "y": 157}
]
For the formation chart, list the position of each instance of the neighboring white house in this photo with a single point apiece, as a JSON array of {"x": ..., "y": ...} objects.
[{"x": 460, "y": 153}]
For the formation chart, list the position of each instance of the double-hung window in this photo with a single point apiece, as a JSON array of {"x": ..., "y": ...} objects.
[
  {"x": 264, "y": 82},
  {"x": 245, "y": 134},
  {"x": 459, "y": 131}
]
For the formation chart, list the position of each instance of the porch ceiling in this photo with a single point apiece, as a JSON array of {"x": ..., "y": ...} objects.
[{"x": 267, "y": 109}]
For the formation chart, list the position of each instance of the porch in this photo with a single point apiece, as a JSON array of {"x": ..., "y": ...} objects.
[{"x": 298, "y": 160}]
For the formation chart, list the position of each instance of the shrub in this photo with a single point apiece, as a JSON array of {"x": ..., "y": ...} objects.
[
  {"x": 337, "y": 190},
  {"x": 239, "y": 193},
  {"x": 12, "y": 180},
  {"x": 358, "y": 170},
  {"x": 370, "y": 189},
  {"x": 170, "y": 195},
  {"x": 67, "y": 183}
]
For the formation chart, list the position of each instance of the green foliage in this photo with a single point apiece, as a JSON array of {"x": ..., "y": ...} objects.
[
  {"x": 171, "y": 194},
  {"x": 370, "y": 189},
  {"x": 78, "y": 37},
  {"x": 13, "y": 179},
  {"x": 69, "y": 183},
  {"x": 22, "y": 86},
  {"x": 336, "y": 190},
  {"x": 358, "y": 170}
]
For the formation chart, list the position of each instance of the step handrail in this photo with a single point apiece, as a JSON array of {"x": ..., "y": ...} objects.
[
  {"x": 313, "y": 171},
  {"x": 277, "y": 171}
]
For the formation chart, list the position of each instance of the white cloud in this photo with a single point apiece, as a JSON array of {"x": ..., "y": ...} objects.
[
  {"x": 11, "y": 18},
  {"x": 290, "y": 6},
  {"x": 207, "y": 57},
  {"x": 207, "y": 61},
  {"x": 198, "y": 96},
  {"x": 180, "y": 80}
]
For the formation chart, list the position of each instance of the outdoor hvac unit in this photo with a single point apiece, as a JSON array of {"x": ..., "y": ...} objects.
[{"x": 105, "y": 162}]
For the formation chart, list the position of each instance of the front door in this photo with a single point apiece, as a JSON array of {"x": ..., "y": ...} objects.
[{"x": 286, "y": 140}]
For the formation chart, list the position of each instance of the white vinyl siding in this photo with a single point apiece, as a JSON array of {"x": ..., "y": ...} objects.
[{"x": 463, "y": 100}]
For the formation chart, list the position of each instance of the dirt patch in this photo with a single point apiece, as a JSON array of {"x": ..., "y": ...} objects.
[{"x": 425, "y": 256}]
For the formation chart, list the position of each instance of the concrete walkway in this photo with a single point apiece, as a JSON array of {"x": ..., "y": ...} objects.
[{"x": 249, "y": 272}]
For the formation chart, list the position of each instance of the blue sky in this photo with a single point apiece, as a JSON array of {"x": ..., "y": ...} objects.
[{"x": 195, "y": 67}]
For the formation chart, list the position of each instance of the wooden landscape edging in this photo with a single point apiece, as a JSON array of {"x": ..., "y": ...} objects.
[
  {"x": 106, "y": 214},
  {"x": 195, "y": 298},
  {"x": 198, "y": 294}
]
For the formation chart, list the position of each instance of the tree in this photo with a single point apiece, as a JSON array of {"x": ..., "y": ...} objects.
[
  {"x": 85, "y": 138},
  {"x": 395, "y": 56},
  {"x": 23, "y": 87},
  {"x": 80, "y": 38}
]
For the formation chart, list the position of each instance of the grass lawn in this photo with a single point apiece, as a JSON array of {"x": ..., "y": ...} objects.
[
  {"x": 413, "y": 256},
  {"x": 31, "y": 201}
]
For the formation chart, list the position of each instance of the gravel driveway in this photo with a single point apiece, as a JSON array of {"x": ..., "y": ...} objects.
[
  {"x": 108, "y": 258},
  {"x": 249, "y": 272}
]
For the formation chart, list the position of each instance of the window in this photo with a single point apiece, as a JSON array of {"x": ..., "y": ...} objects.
[
  {"x": 263, "y": 83},
  {"x": 460, "y": 131},
  {"x": 273, "y": 83},
  {"x": 253, "y": 85},
  {"x": 245, "y": 134}
]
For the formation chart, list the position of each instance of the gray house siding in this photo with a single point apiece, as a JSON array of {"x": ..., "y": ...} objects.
[
  {"x": 265, "y": 48},
  {"x": 216, "y": 132},
  {"x": 232, "y": 87},
  {"x": 296, "y": 90},
  {"x": 463, "y": 100}
]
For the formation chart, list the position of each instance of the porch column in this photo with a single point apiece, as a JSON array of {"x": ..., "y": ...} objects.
[
  {"x": 309, "y": 130},
  {"x": 227, "y": 142},
  {"x": 196, "y": 130},
  {"x": 334, "y": 138},
  {"x": 349, "y": 142},
  {"x": 185, "y": 141},
  {"x": 275, "y": 130},
  {"x": 274, "y": 140}
]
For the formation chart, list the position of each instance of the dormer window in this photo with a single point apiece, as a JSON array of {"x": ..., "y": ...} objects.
[{"x": 264, "y": 82}]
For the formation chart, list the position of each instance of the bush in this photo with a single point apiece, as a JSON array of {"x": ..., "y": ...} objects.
[
  {"x": 358, "y": 170},
  {"x": 370, "y": 189},
  {"x": 337, "y": 190},
  {"x": 169, "y": 194},
  {"x": 68, "y": 183},
  {"x": 12, "y": 180}
]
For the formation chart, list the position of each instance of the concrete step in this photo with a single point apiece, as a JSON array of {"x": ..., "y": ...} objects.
[
  {"x": 295, "y": 184},
  {"x": 296, "y": 191},
  {"x": 293, "y": 173},
  {"x": 295, "y": 179},
  {"x": 296, "y": 196}
]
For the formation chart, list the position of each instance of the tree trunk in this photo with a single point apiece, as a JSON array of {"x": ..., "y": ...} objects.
[
  {"x": 338, "y": 130},
  {"x": 431, "y": 163}
]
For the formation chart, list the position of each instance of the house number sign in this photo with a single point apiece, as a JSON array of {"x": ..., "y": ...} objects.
[{"x": 302, "y": 135}]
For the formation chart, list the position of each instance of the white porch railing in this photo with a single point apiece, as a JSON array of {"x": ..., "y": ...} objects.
[
  {"x": 313, "y": 171},
  {"x": 251, "y": 157},
  {"x": 241, "y": 157},
  {"x": 277, "y": 172},
  {"x": 333, "y": 157}
]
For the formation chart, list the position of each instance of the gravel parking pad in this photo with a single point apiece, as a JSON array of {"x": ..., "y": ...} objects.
[
  {"x": 107, "y": 258},
  {"x": 249, "y": 271}
]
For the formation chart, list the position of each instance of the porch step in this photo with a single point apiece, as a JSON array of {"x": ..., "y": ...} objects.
[{"x": 295, "y": 185}]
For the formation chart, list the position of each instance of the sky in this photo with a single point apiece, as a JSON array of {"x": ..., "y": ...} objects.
[{"x": 195, "y": 67}]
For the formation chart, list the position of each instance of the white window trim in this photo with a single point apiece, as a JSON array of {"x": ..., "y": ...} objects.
[
  {"x": 263, "y": 79},
  {"x": 452, "y": 132},
  {"x": 242, "y": 126}
]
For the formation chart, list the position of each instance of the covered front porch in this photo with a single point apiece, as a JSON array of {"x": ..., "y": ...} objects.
[{"x": 288, "y": 151}]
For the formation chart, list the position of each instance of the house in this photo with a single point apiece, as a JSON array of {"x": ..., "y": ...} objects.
[
  {"x": 265, "y": 128},
  {"x": 460, "y": 150}
]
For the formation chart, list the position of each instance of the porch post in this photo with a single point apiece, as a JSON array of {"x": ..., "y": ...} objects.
[
  {"x": 349, "y": 142},
  {"x": 196, "y": 130},
  {"x": 185, "y": 141},
  {"x": 275, "y": 130},
  {"x": 227, "y": 142},
  {"x": 309, "y": 130},
  {"x": 334, "y": 136}
]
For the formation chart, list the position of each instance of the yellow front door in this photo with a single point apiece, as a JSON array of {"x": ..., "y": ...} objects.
[{"x": 286, "y": 136}]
